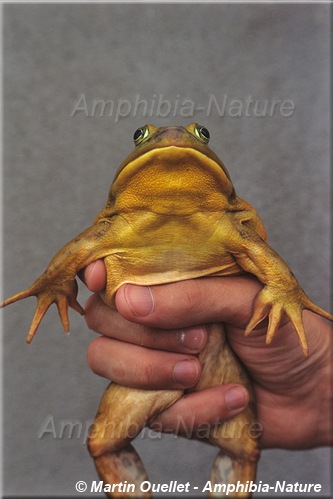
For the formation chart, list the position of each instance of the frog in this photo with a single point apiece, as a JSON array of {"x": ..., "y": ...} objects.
[{"x": 172, "y": 214}]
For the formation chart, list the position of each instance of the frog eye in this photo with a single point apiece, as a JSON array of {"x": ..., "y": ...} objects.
[
  {"x": 140, "y": 134},
  {"x": 202, "y": 133}
]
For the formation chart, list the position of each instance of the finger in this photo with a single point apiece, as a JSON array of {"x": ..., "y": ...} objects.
[
  {"x": 104, "y": 320},
  {"x": 196, "y": 414},
  {"x": 94, "y": 276},
  {"x": 196, "y": 301},
  {"x": 137, "y": 367}
]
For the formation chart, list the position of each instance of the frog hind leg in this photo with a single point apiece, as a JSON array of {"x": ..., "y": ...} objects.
[
  {"x": 236, "y": 463},
  {"x": 235, "y": 466},
  {"x": 229, "y": 476},
  {"x": 122, "y": 414},
  {"x": 124, "y": 471}
]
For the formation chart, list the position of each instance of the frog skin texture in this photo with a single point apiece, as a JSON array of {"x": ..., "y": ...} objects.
[{"x": 173, "y": 214}]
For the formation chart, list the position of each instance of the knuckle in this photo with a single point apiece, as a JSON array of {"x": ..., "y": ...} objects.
[
  {"x": 92, "y": 355},
  {"x": 147, "y": 375},
  {"x": 192, "y": 295},
  {"x": 143, "y": 338},
  {"x": 90, "y": 320},
  {"x": 92, "y": 313},
  {"x": 118, "y": 372},
  {"x": 152, "y": 338}
]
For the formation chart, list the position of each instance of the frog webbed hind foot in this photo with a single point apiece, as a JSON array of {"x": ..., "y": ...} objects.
[{"x": 48, "y": 292}]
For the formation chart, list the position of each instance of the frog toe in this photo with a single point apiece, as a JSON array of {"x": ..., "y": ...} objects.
[
  {"x": 295, "y": 316},
  {"x": 62, "y": 306},
  {"x": 68, "y": 299},
  {"x": 43, "y": 304},
  {"x": 275, "y": 316},
  {"x": 63, "y": 302},
  {"x": 74, "y": 304},
  {"x": 260, "y": 313}
]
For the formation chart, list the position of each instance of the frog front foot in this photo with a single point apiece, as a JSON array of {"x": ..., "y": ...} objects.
[
  {"x": 274, "y": 303},
  {"x": 48, "y": 291}
]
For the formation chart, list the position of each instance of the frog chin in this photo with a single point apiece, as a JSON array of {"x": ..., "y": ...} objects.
[{"x": 172, "y": 172}]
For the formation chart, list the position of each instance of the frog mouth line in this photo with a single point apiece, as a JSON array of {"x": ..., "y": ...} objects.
[{"x": 173, "y": 156}]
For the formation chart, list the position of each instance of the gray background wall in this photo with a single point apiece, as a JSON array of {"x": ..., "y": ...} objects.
[{"x": 58, "y": 167}]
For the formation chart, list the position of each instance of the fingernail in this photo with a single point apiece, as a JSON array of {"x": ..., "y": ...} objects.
[
  {"x": 139, "y": 299},
  {"x": 236, "y": 398},
  {"x": 89, "y": 270},
  {"x": 192, "y": 338},
  {"x": 186, "y": 372}
]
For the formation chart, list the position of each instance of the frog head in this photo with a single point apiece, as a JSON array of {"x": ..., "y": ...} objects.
[{"x": 171, "y": 168}]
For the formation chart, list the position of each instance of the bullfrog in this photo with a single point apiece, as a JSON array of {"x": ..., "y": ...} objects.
[{"x": 172, "y": 213}]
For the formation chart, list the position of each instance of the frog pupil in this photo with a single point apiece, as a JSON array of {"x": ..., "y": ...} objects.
[
  {"x": 138, "y": 134},
  {"x": 202, "y": 133},
  {"x": 205, "y": 133}
]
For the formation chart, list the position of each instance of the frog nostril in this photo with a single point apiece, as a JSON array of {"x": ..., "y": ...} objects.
[{"x": 172, "y": 132}]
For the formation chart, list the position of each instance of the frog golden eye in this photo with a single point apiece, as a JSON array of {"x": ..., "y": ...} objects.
[
  {"x": 140, "y": 134},
  {"x": 202, "y": 133}
]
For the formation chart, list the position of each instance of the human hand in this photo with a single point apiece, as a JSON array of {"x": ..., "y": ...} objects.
[{"x": 155, "y": 329}]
